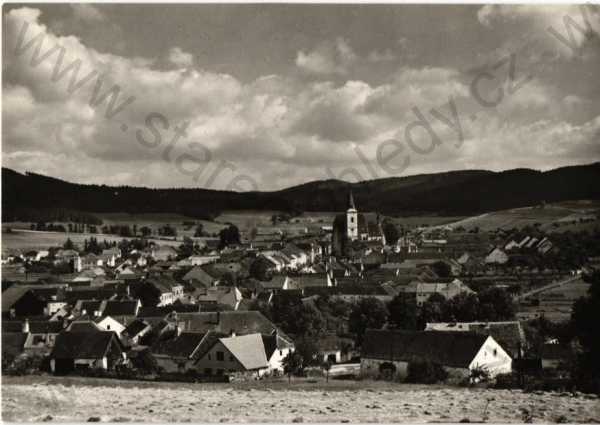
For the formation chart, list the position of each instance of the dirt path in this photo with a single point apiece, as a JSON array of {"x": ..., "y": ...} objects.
[{"x": 208, "y": 403}]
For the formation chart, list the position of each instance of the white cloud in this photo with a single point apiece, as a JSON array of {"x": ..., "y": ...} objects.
[
  {"x": 329, "y": 57},
  {"x": 180, "y": 58},
  {"x": 279, "y": 130},
  {"x": 87, "y": 12}
]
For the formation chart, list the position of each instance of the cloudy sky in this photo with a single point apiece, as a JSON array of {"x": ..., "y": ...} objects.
[{"x": 267, "y": 96}]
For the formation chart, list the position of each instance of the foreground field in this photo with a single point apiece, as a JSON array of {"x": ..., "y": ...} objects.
[{"x": 56, "y": 399}]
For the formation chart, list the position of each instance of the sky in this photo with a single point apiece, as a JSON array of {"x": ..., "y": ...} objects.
[{"x": 263, "y": 97}]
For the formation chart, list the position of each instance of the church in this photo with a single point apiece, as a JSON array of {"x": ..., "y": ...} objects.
[{"x": 352, "y": 228}]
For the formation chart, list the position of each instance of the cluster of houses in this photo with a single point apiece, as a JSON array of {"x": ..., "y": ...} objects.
[{"x": 197, "y": 312}]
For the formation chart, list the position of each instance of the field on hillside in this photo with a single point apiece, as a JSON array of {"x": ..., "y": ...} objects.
[
  {"x": 574, "y": 216},
  {"x": 154, "y": 221},
  {"x": 37, "y": 399},
  {"x": 27, "y": 240}
]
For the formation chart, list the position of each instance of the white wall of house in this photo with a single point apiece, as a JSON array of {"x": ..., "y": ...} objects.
[
  {"x": 492, "y": 358},
  {"x": 110, "y": 324},
  {"x": 276, "y": 360}
]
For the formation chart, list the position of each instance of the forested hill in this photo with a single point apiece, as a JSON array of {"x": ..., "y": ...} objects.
[{"x": 457, "y": 192}]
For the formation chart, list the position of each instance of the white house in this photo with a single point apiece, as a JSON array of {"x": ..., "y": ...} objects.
[{"x": 458, "y": 352}]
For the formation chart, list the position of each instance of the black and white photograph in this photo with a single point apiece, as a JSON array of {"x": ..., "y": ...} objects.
[{"x": 300, "y": 212}]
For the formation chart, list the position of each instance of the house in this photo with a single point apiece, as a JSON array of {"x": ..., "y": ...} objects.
[
  {"x": 509, "y": 334},
  {"x": 423, "y": 290},
  {"x": 21, "y": 301},
  {"x": 458, "y": 352},
  {"x": 136, "y": 330},
  {"x": 91, "y": 261},
  {"x": 178, "y": 354},
  {"x": 41, "y": 333},
  {"x": 86, "y": 350},
  {"x": 276, "y": 349},
  {"x": 164, "y": 253},
  {"x": 227, "y": 295},
  {"x": 107, "y": 323},
  {"x": 227, "y": 322},
  {"x": 169, "y": 289},
  {"x": 496, "y": 256},
  {"x": 201, "y": 275},
  {"x": 68, "y": 256},
  {"x": 304, "y": 281},
  {"x": 235, "y": 354},
  {"x": 333, "y": 349}
]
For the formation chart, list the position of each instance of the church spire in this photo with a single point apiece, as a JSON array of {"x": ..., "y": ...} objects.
[{"x": 351, "y": 205}]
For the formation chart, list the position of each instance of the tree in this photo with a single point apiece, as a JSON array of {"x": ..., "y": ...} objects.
[
  {"x": 368, "y": 313},
  {"x": 292, "y": 363},
  {"x": 199, "y": 230},
  {"x": 585, "y": 319},
  {"x": 326, "y": 366},
  {"x": 229, "y": 236},
  {"x": 442, "y": 269},
  {"x": 496, "y": 304},
  {"x": 390, "y": 232},
  {"x": 68, "y": 244},
  {"x": 403, "y": 312},
  {"x": 260, "y": 269}
]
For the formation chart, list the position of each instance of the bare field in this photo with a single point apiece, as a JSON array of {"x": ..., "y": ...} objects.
[
  {"x": 552, "y": 218},
  {"x": 68, "y": 400}
]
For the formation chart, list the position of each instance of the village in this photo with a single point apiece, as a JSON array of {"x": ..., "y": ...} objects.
[{"x": 356, "y": 299}]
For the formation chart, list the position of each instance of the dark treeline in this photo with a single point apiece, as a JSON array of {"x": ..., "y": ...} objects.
[
  {"x": 47, "y": 215},
  {"x": 457, "y": 192}
]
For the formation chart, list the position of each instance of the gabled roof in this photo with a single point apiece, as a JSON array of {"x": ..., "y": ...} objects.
[
  {"x": 83, "y": 345},
  {"x": 453, "y": 349},
  {"x": 508, "y": 334},
  {"x": 121, "y": 308},
  {"x": 240, "y": 322},
  {"x": 198, "y": 273},
  {"x": 12, "y": 295},
  {"x": 183, "y": 345},
  {"x": 83, "y": 326},
  {"x": 136, "y": 327},
  {"x": 249, "y": 350}
]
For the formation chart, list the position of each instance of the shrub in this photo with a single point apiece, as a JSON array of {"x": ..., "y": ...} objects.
[
  {"x": 26, "y": 365},
  {"x": 425, "y": 372}
]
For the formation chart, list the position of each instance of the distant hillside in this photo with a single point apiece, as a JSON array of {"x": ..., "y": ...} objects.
[{"x": 451, "y": 193}]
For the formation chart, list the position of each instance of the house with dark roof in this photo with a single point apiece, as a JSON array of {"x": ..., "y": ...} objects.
[
  {"x": 276, "y": 349},
  {"x": 86, "y": 350},
  {"x": 179, "y": 353},
  {"x": 509, "y": 334},
  {"x": 21, "y": 301},
  {"x": 228, "y": 322},
  {"x": 235, "y": 354},
  {"x": 136, "y": 330},
  {"x": 458, "y": 352}
]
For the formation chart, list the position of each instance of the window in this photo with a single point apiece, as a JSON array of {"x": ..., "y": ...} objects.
[
  {"x": 351, "y": 219},
  {"x": 220, "y": 372},
  {"x": 220, "y": 356},
  {"x": 281, "y": 352},
  {"x": 108, "y": 327},
  {"x": 208, "y": 371},
  {"x": 231, "y": 359},
  {"x": 495, "y": 352}
]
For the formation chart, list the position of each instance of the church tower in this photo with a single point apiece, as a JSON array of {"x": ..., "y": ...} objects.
[{"x": 351, "y": 219}]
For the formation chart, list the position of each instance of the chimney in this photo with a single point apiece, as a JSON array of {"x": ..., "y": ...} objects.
[{"x": 26, "y": 326}]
